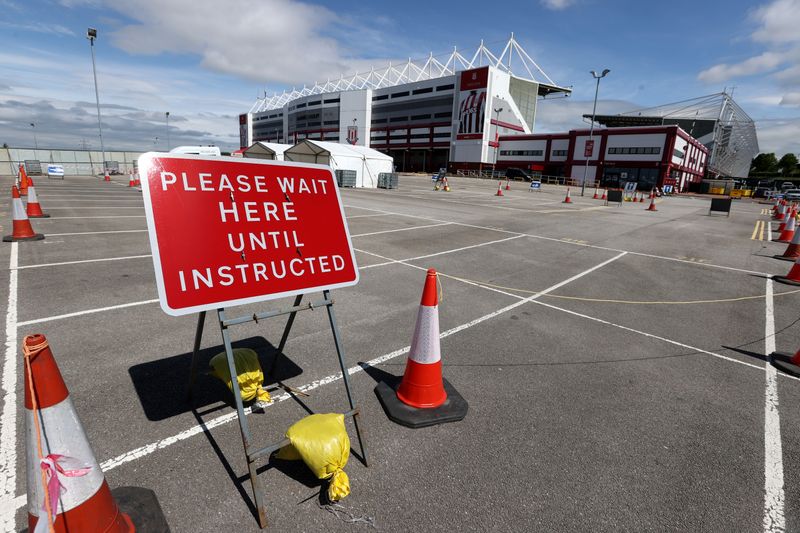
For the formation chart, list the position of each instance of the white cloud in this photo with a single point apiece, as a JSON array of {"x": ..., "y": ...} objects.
[
  {"x": 755, "y": 65},
  {"x": 279, "y": 41},
  {"x": 791, "y": 99},
  {"x": 563, "y": 114},
  {"x": 778, "y": 22},
  {"x": 557, "y": 5},
  {"x": 781, "y": 136}
]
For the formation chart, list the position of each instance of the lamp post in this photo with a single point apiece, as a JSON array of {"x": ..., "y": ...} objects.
[
  {"x": 168, "y": 143},
  {"x": 35, "y": 142},
  {"x": 91, "y": 34},
  {"x": 496, "y": 136},
  {"x": 597, "y": 78}
]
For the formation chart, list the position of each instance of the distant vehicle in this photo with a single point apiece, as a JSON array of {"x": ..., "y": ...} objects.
[
  {"x": 787, "y": 185},
  {"x": 518, "y": 174},
  {"x": 792, "y": 194},
  {"x": 762, "y": 192},
  {"x": 197, "y": 150}
]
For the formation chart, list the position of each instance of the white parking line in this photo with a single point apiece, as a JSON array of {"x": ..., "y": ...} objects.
[
  {"x": 51, "y": 208},
  {"x": 8, "y": 417},
  {"x": 774, "y": 519},
  {"x": 104, "y": 259},
  {"x": 86, "y": 312},
  {"x": 437, "y": 253},
  {"x": 65, "y": 218},
  {"x": 97, "y": 232},
  {"x": 401, "y": 229},
  {"x": 369, "y": 216}
]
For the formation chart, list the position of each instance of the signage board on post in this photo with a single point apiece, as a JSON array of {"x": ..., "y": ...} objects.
[
  {"x": 227, "y": 231},
  {"x": 588, "y": 148},
  {"x": 55, "y": 170},
  {"x": 536, "y": 185}
]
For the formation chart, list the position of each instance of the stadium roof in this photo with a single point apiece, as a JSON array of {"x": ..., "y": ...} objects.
[
  {"x": 513, "y": 59},
  {"x": 715, "y": 120}
]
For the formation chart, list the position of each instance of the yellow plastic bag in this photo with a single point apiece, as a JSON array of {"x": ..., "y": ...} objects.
[
  {"x": 321, "y": 441},
  {"x": 248, "y": 374}
]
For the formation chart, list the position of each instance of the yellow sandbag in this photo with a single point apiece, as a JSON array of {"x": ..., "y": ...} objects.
[
  {"x": 248, "y": 374},
  {"x": 321, "y": 441}
]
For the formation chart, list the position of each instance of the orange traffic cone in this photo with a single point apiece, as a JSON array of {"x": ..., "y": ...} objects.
[
  {"x": 508, "y": 187},
  {"x": 23, "y": 180},
  {"x": 652, "y": 193},
  {"x": 652, "y": 206},
  {"x": 424, "y": 397},
  {"x": 787, "y": 362},
  {"x": 34, "y": 209},
  {"x": 21, "y": 226},
  {"x": 65, "y": 483},
  {"x": 499, "y": 189},
  {"x": 446, "y": 187},
  {"x": 106, "y": 177},
  {"x": 789, "y": 213},
  {"x": 567, "y": 200},
  {"x": 788, "y": 231},
  {"x": 595, "y": 197},
  {"x": 604, "y": 197},
  {"x": 793, "y": 277},
  {"x": 131, "y": 181},
  {"x": 780, "y": 214},
  {"x": 793, "y": 250},
  {"x": 137, "y": 181}
]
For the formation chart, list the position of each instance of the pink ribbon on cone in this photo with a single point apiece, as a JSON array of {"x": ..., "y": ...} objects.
[{"x": 53, "y": 466}]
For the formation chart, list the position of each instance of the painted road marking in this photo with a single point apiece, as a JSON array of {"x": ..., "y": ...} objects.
[
  {"x": 8, "y": 417},
  {"x": 774, "y": 519},
  {"x": 143, "y": 451},
  {"x": 104, "y": 259},
  {"x": 97, "y": 232},
  {"x": 758, "y": 231},
  {"x": 438, "y": 253},
  {"x": 401, "y": 229}
]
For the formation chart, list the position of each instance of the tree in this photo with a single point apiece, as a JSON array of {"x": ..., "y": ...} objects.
[
  {"x": 788, "y": 164},
  {"x": 765, "y": 163}
]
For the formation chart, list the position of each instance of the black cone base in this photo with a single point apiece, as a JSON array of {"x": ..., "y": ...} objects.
[
  {"x": 142, "y": 506},
  {"x": 783, "y": 362},
  {"x": 44, "y": 215},
  {"x": 787, "y": 281},
  {"x": 11, "y": 238},
  {"x": 452, "y": 410}
]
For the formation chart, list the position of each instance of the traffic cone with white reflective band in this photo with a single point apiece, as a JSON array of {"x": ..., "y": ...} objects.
[
  {"x": 131, "y": 181},
  {"x": 652, "y": 206},
  {"x": 605, "y": 196},
  {"x": 106, "y": 177},
  {"x": 508, "y": 186},
  {"x": 423, "y": 397},
  {"x": 21, "y": 226},
  {"x": 793, "y": 250},
  {"x": 23, "y": 181},
  {"x": 499, "y": 189},
  {"x": 596, "y": 196},
  {"x": 422, "y": 385},
  {"x": 34, "y": 210},
  {"x": 788, "y": 213},
  {"x": 567, "y": 199},
  {"x": 780, "y": 214},
  {"x": 793, "y": 277},
  {"x": 77, "y": 497},
  {"x": 787, "y": 234}
]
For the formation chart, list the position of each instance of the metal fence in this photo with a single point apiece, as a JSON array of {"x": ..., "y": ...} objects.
[
  {"x": 501, "y": 174},
  {"x": 75, "y": 162}
]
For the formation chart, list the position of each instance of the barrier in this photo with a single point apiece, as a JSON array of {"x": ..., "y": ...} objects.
[{"x": 614, "y": 196}]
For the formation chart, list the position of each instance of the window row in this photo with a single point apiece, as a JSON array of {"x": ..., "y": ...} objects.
[
  {"x": 635, "y": 150},
  {"x": 522, "y": 152}
]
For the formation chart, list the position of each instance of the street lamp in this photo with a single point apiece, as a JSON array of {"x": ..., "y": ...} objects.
[
  {"x": 168, "y": 144},
  {"x": 91, "y": 34},
  {"x": 496, "y": 136},
  {"x": 35, "y": 142},
  {"x": 591, "y": 127}
]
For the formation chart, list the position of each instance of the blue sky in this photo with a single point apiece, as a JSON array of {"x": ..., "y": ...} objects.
[{"x": 205, "y": 61}]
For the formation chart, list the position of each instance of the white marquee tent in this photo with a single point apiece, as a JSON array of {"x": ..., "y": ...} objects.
[
  {"x": 367, "y": 163},
  {"x": 266, "y": 150}
]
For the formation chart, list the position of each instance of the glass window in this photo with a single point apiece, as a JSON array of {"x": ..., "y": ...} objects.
[
  {"x": 445, "y": 87},
  {"x": 400, "y": 94},
  {"x": 423, "y": 90}
]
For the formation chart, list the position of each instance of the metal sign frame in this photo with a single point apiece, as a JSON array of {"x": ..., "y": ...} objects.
[
  {"x": 720, "y": 205},
  {"x": 536, "y": 185},
  {"x": 252, "y": 452}
]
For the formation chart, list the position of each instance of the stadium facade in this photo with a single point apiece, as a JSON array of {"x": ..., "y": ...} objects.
[
  {"x": 426, "y": 114},
  {"x": 715, "y": 120}
]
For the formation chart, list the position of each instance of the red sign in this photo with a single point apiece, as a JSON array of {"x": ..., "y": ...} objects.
[
  {"x": 588, "y": 148},
  {"x": 472, "y": 103},
  {"x": 227, "y": 231}
]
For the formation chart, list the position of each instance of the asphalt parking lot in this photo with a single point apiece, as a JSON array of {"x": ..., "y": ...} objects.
[{"x": 614, "y": 361}]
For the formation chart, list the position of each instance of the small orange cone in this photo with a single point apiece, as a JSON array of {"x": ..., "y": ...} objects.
[
  {"x": 23, "y": 180},
  {"x": 65, "y": 482},
  {"x": 793, "y": 277},
  {"x": 567, "y": 200},
  {"x": 596, "y": 196},
  {"x": 446, "y": 187},
  {"x": 787, "y": 234},
  {"x": 106, "y": 177},
  {"x": 131, "y": 181},
  {"x": 34, "y": 209},
  {"x": 604, "y": 197},
  {"x": 423, "y": 397},
  {"x": 499, "y": 189},
  {"x": 780, "y": 214},
  {"x": 21, "y": 226},
  {"x": 793, "y": 250},
  {"x": 508, "y": 187},
  {"x": 789, "y": 213},
  {"x": 652, "y": 206},
  {"x": 138, "y": 182}
]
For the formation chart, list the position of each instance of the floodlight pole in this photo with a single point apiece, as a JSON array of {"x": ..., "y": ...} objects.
[
  {"x": 91, "y": 34},
  {"x": 168, "y": 143},
  {"x": 591, "y": 127},
  {"x": 35, "y": 142},
  {"x": 497, "y": 137}
]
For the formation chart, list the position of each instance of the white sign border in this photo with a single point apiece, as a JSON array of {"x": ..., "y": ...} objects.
[{"x": 145, "y": 164}]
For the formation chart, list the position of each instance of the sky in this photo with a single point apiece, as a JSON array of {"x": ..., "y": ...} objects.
[{"x": 206, "y": 61}]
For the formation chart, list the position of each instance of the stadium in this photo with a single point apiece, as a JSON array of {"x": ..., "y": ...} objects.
[{"x": 423, "y": 113}]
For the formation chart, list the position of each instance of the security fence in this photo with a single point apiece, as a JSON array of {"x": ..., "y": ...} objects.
[{"x": 75, "y": 162}]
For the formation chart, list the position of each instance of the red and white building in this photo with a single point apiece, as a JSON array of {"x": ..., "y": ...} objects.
[{"x": 652, "y": 156}]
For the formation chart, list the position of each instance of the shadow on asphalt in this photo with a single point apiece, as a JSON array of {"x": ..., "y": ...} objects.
[
  {"x": 755, "y": 355},
  {"x": 162, "y": 385}
]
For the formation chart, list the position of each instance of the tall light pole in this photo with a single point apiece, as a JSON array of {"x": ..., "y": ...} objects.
[
  {"x": 168, "y": 144},
  {"x": 91, "y": 34},
  {"x": 591, "y": 127},
  {"x": 496, "y": 136},
  {"x": 35, "y": 142}
]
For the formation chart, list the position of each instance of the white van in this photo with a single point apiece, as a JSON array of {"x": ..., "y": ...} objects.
[{"x": 197, "y": 150}]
